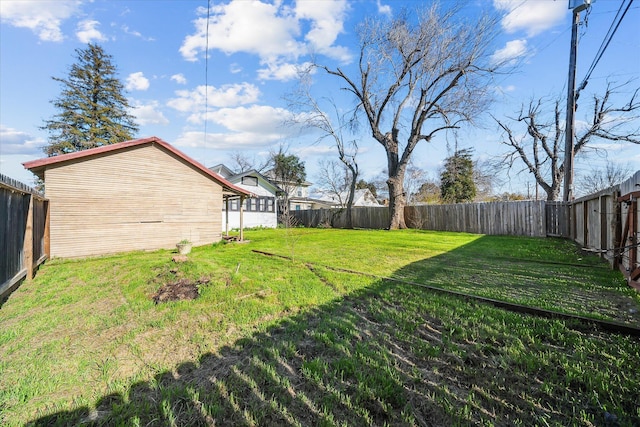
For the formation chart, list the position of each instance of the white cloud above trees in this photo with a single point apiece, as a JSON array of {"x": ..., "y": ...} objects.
[
  {"x": 232, "y": 30},
  {"x": 44, "y": 18},
  {"x": 137, "y": 81},
  {"x": 511, "y": 52},
  {"x": 87, "y": 31},
  {"x": 179, "y": 78},
  {"x": 18, "y": 142},
  {"x": 148, "y": 113},
  {"x": 197, "y": 100},
  {"x": 530, "y": 16}
]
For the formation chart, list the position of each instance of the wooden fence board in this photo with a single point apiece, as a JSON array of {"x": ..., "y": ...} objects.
[
  {"x": 23, "y": 232},
  {"x": 512, "y": 218}
]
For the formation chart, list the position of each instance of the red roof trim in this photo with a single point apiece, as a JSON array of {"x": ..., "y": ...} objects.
[{"x": 47, "y": 161}]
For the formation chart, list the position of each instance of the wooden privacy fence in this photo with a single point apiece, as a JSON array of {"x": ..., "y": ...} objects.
[
  {"x": 521, "y": 218},
  {"x": 24, "y": 232},
  {"x": 606, "y": 223},
  {"x": 362, "y": 217}
]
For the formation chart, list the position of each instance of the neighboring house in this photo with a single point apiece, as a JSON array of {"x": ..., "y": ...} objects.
[
  {"x": 260, "y": 210},
  {"x": 135, "y": 195},
  {"x": 298, "y": 193},
  {"x": 361, "y": 198}
]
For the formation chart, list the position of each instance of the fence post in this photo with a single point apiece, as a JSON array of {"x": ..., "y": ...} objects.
[
  {"x": 27, "y": 247},
  {"x": 47, "y": 230}
]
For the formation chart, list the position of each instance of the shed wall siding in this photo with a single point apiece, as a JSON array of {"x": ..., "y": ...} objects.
[{"x": 143, "y": 198}]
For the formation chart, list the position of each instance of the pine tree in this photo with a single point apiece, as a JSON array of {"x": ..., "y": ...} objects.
[
  {"x": 456, "y": 180},
  {"x": 92, "y": 106}
]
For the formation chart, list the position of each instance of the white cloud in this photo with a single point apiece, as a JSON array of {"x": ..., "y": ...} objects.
[
  {"x": 327, "y": 20},
  {"x": 282, "y": 72},
  {"x": 135, "y": 33},
  {"x": 254, "y": 119},
  {"x": 511, "y": 52},
  {"x": 179, "y": 78},
  {"x": 531, "y": 16},
  {"x": 87, "y": 31},
  {"x": 249, "y": 127},
  {"x": 148, "y": 114},
  {"x": 240, "y": 26},
  {"x": 137, "y": 81},
  {"x": 193, "y": 101},
  {"x": 506, "y": 89},
  {"x": 235, "y": 68},
  {"x": 384, "y": 9},
  {"x": 273, "y": 32},
  {"x": 44, "y": 17},
  {"x": 18, "y": 142}
]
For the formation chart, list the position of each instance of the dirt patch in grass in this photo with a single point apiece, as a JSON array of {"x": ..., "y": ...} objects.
[{"x": 182, "y": 289}]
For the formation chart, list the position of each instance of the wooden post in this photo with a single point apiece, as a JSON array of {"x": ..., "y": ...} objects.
[
  {"x": 617, "y": 234},
  {"x": 241, "y": 218},
  {"x": 27, "y": 245},
  {"x": 226, "y": 203},
  {"x": 603, "y": 226},
  {"x": 585, "y": 223},
  {"x": 47, "y": 230}
]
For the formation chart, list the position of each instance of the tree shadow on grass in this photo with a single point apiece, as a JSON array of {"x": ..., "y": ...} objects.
[{"x": 388, "y": 355}]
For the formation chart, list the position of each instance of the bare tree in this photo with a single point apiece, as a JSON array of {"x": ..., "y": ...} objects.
[
  {"x": 316, "y": 117},
  {"x": 241, "y": 162},
  {"x": 413, "y": 179},
  {"x": 419, "y": 74},
  {"x": 603, "y": 178},
  {"x": 484, "y": 179},
  {"x": 537, "y": 140},
  {"x": 334, "y": 179}
]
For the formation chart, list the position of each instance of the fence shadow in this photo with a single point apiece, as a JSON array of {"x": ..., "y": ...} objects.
[{"x": 379, "y": 356}]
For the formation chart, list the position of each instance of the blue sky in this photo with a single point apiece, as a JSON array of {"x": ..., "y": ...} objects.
[{"x": 254, "y": 49}]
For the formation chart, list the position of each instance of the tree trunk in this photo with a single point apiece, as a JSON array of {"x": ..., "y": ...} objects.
[{"x": 396, "y": 200}]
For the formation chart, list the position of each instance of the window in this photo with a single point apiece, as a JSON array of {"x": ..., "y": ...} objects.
[
  {"x": 299, "y": 192},
  {"x": 261, "y": 203},
  {"x": 297, "y": 207},
  {"x": 270, "y": 204},
  {"x": 250, "y": 180},
  {"x": 234, "y": 205}
]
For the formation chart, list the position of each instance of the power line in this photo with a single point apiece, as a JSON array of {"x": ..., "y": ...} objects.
[
  {"x": 605, "y": 43},
  {"x": 206, "y": 73}
]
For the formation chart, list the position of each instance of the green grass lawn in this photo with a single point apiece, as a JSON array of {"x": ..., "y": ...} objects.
[{"x": 271, "y": 341}]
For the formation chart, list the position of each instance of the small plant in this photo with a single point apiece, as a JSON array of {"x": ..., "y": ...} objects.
[{"x": 184, "y": 242}]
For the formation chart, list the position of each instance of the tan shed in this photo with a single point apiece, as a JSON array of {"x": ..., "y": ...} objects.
[{"x": 136, "y": 195}]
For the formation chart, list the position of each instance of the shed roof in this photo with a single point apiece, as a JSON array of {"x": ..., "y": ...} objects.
[{"x": 38, "y": 166}]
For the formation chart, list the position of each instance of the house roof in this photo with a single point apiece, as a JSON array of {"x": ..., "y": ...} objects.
[
  {"x": 221, "y": 169},
  {"x": 38, "y": 166},
  {"x": 361, "y": 197},
  {"x": 263, "y": 179},
  {"x": 235, "y": 178},
  {"x": 271, "y": 176}
]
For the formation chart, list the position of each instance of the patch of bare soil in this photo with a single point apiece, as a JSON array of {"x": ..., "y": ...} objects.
[{"x": 182, "y": 289}]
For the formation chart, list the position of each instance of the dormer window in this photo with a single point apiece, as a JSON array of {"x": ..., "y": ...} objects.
[{"x": 250, "y": 180}]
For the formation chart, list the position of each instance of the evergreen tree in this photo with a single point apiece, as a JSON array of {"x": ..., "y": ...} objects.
[
  {"x": 456, "y": 181},
  {"x": 92, "y": 106},
  {"x": 362, "y": 185}
]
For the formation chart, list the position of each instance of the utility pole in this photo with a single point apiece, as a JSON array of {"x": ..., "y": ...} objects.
[{"x": 577, "y": 6}]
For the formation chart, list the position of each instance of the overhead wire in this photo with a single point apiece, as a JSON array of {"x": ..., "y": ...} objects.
[
  {"x": 605, "y": 43},
  {"x": 206, "y": 73}
]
